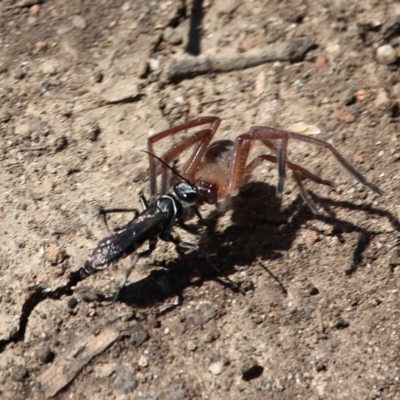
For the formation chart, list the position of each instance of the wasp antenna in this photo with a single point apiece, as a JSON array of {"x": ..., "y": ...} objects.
[{"x": 167, "y": 165}]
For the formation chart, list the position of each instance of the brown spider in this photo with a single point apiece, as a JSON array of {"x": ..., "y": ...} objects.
[{"x": 220, "y": 168}]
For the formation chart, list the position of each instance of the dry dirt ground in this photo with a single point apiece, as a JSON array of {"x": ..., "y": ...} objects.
[{"x": 82, "y": 86}]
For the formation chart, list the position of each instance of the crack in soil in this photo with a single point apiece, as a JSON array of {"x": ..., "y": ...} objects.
[{"x": 38, "y": 295}]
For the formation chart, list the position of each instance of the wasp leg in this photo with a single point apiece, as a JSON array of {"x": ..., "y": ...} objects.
[
  {"x": 143, "y": 201},
  {"x": 134, "y": 260},
  {"x": 190, "y": 229},
  {"x": 128, "y": 271},
  {"x": 104, "y": 211},
  {"x": 202, "y": 220},
  {"x": 100, "y": 211}
]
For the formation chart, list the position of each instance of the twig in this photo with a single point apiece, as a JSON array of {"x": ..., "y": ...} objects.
[
  {"x": 38, "y": 148},
  {"x": 291, "y": 50},
  {"x": 79, "y": 354}
]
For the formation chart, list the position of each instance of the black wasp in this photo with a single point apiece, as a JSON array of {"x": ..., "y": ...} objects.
[{"x": 155, "y": 222}]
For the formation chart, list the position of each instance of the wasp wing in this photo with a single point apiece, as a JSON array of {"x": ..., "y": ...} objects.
[{"x": 126, "y": 240}]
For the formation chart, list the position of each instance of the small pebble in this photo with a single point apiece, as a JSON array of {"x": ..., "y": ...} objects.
[
  {"x": 44, "y": 354},
  {"x": 252, "y": 372},
  {"x": 340, "y": 323},
  {"x": 358, "y": 158},
  {"x": 305, "y": 129},
  {"x": 35, "y": 9},
  {"x": 104, "y": 370},
  {"x": 59, "y": 143},
  {"x": 226, "y": 7},
  {"x": 386, "y": 54},
  {"x": 321, "y": 61},
  {"x": 381, "y": 98},
  {"x": 361, "y": 95},
  {"x": 126, "y": 6},
  {"x": 310, "y": 238},
  {"x": 20, "y": 74},
  {"x": 79, "y": 22},
  {"x": 5, "y": 116},
  {"x": 216, "y": 368},
  {"x": 340, "y": 136},
  {"x": 97, "y": 77},
  {"x": 143, "y": 68},
  {"x": 343, "y": 116},
  {"x": 143, "y": 361},
  {"x": 125, "y": 382},
  {"x": 72, "y": 303},
  {"x": 138, "y": 335},
  {"x": 211, "y": 335},
  {"x": 154, "y": 64},
  {"x": 208, "y": 312},
  {"x": 175, "y": 38},
  {"x": 191, "y": 346},
  {"x": 87, "y": 294},
  {"x": 320, "y": 365},
  {"x": 349, "y": 98},
  {"x": 56, "y": 255},
  {"x": 17, "y": 244},
  {"x": 92, "y": 131},
  {"x": 246, "y": 348},
  {"x": 62, "y": 30},
  {"x": 51, "y": 169},
  {"x": 18, "y": 372},
  {"x": 172, "y": 392},
  {"x": 49, "y": 67},
  {"x": 312, "y": 290}
]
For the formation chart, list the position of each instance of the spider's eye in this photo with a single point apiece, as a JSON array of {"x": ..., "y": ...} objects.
[
  {"x": 186, "y": 192},
  {"x": 208, "y": 191}
]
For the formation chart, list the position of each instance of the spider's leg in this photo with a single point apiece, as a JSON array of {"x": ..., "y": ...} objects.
[{"x": 203, "y": 138}]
